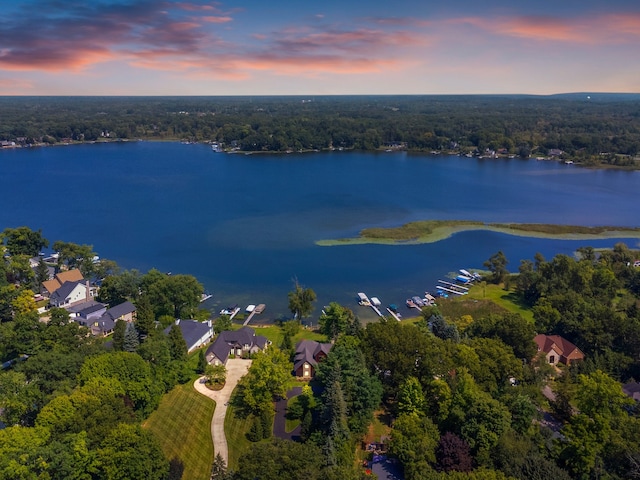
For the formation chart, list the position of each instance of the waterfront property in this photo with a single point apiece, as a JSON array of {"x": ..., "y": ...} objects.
[
  {"x": 308, "y": 354},
  {"x": 242, "y": 342}
]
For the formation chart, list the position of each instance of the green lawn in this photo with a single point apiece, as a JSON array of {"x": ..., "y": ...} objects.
[
  {"x": 236, "y": 429},
  {"x": 506, "y": 299},
  {"x": 289, "y": 425},
  {"x": 182, "y": 424},
  {"x": 274, "y": 333}
]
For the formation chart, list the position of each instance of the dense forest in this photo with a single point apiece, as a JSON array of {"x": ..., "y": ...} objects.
[
  {"x": 462, "y": 388},
  {"x": 599, "y": 129}
]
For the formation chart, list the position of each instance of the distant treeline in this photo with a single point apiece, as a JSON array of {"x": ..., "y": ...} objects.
[{"x": 595, "y": 129}]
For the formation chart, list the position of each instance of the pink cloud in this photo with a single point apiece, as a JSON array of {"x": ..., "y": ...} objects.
[
  {"x": 216, "y": 19},
  {"x": 588, "y": 30}
]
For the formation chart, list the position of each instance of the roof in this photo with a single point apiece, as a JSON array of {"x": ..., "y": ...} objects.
[
  {"x": 307, "y": 352},
  {"x": 192, "y": 331},
  {"x": 221, "y": 347},
  {"x": 547, "y": 342},
  {"x": 65, "y": 290},
  {"x": 633, "y": 390},
  {"x": 60, "y": 278},
  {"x": 121, "y": 310},
  {"x": 86, "y": 309}
]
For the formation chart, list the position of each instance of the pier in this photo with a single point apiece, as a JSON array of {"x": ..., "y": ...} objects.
[
  {"x": 449, "y": 290},
  {"x": 256, "y": 311},
  {"x": 393, "y": 314},
  {"x": 364, "y": 301},
  {"x": 452, "y": 285}
]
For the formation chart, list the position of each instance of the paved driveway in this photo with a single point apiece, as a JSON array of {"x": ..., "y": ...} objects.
[
  {"x": 279, "y": 429},
  {"x": 236, "y": 368}
]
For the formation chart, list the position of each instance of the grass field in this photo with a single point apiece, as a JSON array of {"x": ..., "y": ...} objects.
[
  {"x": 182, "y": 424},
  {"x": 505, "y": 299},
  {"x": 236, "y": 428},
  {"x": 274, "y": 333}
]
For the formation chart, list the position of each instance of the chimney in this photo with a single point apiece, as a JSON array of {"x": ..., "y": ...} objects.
[{"x": 88, "y": 294}]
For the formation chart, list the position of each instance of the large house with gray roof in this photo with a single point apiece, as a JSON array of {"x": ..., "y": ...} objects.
[
  {"x": 239, "y": 343},
  {"x": 195, "y": 333}
]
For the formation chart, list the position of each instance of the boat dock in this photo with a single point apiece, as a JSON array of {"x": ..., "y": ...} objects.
[
  {"x": 364, "y": 301},
  {"x": 453, "y": 285},
  {"x": 449, "y": 290},
  {"x": 254, "y": 311},
  {"x": 393, "y": 314}
]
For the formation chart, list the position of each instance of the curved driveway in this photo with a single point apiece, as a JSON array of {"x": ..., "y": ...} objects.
[{"x": 236, "y": 368}]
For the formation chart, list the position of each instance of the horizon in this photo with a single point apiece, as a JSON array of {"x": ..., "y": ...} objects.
[{"x": 248, "y": 48}]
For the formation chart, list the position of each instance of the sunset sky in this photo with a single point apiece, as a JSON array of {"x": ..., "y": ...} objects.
[{"x": 287, "y": 47}]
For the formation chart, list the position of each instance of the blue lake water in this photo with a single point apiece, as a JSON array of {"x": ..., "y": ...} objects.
[{"x": 246, "y": 225}]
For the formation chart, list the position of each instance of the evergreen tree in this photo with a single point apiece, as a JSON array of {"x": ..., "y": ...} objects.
[
  {"x": 202, "y": 362},
  {"x": 42, "y": 272},
  {"x": 219, "y": 468},
  {"x": 131, "y": 342},
  {"x": 177, "y": 344},
  {"x": 145, "y": 318},
  {"x": 118, "y": 335}
]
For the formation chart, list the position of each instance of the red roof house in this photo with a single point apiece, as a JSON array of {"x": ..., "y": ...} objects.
[{"x": 557, "y": 349}]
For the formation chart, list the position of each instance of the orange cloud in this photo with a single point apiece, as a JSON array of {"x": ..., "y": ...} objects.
[
  {"x": 589, "y": 30},
  {"x": 214, "y": 19}
]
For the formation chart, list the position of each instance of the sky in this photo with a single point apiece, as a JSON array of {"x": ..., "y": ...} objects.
[{"x": 330, "y": 47}]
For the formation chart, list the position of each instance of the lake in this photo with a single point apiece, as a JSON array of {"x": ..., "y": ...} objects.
[{"x": 246, "y": 225}]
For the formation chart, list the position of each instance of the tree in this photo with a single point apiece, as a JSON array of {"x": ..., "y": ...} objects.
[
  {"x": 267, "y": 378},
  {"x": 177, "y": 343},
  {"x": 215, "y": 374},
  {"x": 202, "y": 362},
  {"x": 116, "y": 289},
  {"x": 130, "y": 342},
  {"x": 511, "y": 328},
  {"x": 131, "y": 452},
  {"x": 301, "y": 301},
  {"x": 219, "y": 469},
  {"x": 177, "y": 295},
  {"x": 413, "y": 442},
  {"x": 335, "y": 319},
  {"x": 222, "y": 324},
  {"x": 497, "y": 264},
  {"x": 411, "y": 397},
  {"x": 280, "y": 459},
  {"x": 23, "y": 241},
  {"x": 145, "y": 318},
  {"x": 119, "y": 332},
  {"x": 73, "y": 255},
  {"x": 453, "y": 453}
]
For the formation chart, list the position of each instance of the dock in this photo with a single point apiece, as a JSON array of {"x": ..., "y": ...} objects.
[
  {"x": 452, "y": 285},
  {"x": 449, "y": 290},
  {"x": 204, "y": 297},
  {"x": 364, "y": 301},
  {"x": 256, "y": 311},
  {"x": 393, "y": 314}
]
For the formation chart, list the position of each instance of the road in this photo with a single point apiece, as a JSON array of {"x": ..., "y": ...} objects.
[{"x": 236, "y": 368}]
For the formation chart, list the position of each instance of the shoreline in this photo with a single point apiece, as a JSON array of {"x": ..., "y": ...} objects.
[{"x": 435, "y": 231}]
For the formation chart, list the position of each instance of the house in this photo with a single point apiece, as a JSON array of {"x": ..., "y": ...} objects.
[
  {"x": 70, "y": 293},
  {"x": 195, "y": 333},
  {"x": 85, "y": 312},
  {"x": 557, "y": 349},
  {"x": 308, "y": 354},
  {"x": 237, "y": 342},
  {"x": 50, "y": 286},
  {"x": 632, "y": 389},
  {"x": 100, "y": 320}
]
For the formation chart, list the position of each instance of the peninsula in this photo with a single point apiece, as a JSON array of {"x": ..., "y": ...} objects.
[{"x": 431, "y": 231}]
